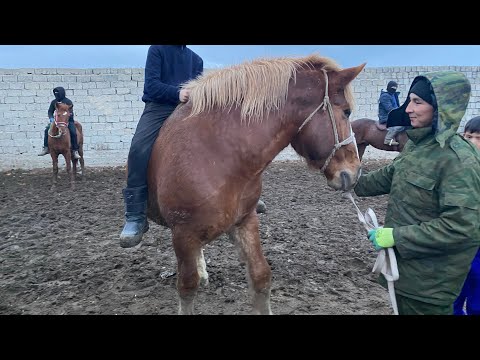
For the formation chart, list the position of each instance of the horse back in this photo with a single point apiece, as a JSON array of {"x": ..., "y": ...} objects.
[{"x": 78, "y": 126}]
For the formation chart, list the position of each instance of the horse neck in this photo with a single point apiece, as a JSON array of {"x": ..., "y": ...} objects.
[
  {"x": 55, "y": 130},
  {"x": 278, "y": 134}
]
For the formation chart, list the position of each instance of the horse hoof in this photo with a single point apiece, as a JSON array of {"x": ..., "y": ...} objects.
[{"x": 204, "y": 281}]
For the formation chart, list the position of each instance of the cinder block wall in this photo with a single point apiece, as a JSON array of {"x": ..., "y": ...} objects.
[{"x": 108, "y": 103}]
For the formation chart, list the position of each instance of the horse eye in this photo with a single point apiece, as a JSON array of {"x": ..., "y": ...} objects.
[{"x": 347, "y": 113}]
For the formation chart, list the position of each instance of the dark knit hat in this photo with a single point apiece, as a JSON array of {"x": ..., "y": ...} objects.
[
  {"x": 423, "y": 89},
  {"x": 392, "y": 86}
]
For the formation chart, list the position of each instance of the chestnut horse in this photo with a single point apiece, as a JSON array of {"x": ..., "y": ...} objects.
[
  {"x": 59, "y": 143},
  {"x": 205, "y": 170},
  {"x": 371, "y": 132}
]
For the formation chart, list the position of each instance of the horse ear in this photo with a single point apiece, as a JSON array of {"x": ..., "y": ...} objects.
[{"x": 347, "y": 75}]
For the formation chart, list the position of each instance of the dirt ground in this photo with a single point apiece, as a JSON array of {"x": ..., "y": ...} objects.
[{"x": 59, "y": 251}]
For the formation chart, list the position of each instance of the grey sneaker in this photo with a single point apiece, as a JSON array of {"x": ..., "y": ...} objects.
[
  {"x": 44, "y": 151},
  {"x": 390, "y": 142},
  {"x": 76, "y": 155},
  {"x": 261, "y": 207}
]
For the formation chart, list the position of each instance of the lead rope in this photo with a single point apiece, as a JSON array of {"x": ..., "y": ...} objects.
[{"x": 386, "y": 262}]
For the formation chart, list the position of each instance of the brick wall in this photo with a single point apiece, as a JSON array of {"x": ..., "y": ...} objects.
[{"x": 108, "y": 104}]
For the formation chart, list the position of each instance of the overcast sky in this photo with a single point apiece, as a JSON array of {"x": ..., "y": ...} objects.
[{"x": 99, "y": 56}]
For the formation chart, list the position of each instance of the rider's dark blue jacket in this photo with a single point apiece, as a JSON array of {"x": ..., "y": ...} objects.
[{"x": 167, "y": 67}]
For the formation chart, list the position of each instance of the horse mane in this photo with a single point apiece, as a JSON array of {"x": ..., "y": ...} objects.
[{"x": 257, "y": 86}]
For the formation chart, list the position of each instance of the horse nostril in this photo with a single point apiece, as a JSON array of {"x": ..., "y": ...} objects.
[{"x": 345, "y": 180}]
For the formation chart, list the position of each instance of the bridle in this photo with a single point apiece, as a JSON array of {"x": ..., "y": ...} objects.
[
  {"x": 328, "y": 106},
  {"x": 58, "y": 124}
]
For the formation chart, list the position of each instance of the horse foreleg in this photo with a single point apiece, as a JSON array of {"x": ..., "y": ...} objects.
[
  {"x": 361, "y": 149},
  {"x": 55, "y": 169},
  {"x": 74, "y": 166},
  {"x": 68, "y": 163},
  {"x": 82, "y": 162},
  {"x": 202, "y": 269},
  {"x": 191, "y": 268},
  {"x": 259, "y": 274}
]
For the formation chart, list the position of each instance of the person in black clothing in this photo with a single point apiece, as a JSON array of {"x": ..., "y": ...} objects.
[
  {"x": 387, "y": 102},
  {"x": 167, "y": 68},
  {"x": 59, "y": 93}
]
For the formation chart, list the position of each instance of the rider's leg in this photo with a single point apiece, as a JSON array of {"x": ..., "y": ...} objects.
[
  {"x": 135, "y": 194},
  {"x": 391, "y": 133},
  {"x": 45, "y": 142},
  {"x": 73, "y": 138}
]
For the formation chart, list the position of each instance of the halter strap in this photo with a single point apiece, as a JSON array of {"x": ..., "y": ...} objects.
[
  {"x": 58, "y": 124},
  {"x": 328, "y": 106}
]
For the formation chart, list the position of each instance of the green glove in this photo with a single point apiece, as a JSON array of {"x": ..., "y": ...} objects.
[{"x": 381, "y": 238}]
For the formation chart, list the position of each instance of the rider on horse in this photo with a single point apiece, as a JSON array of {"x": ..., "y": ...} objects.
[
  {"x": 387, "y": 102},
  {"x": 59, "y": 93}
]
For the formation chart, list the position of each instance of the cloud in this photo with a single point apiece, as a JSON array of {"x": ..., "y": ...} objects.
[{"x": 212, "y": 65}]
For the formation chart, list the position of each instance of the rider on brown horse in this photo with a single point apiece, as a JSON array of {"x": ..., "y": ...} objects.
[
  {"x": 59, "y": 93},
  {"x": 387, "y": 102}
]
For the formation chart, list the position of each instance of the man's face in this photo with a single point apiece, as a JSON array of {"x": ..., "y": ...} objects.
[
  {"x": 419, "y": 111},
  {"x": 473, "y": 137},
  {"x": 57, "y": 95}
]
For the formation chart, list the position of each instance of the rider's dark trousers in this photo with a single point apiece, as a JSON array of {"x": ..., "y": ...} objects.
[
  {"x": 392, "y": 131},
  {"x": 152, "y": 119},
  {"x": 73, "y": 134}
]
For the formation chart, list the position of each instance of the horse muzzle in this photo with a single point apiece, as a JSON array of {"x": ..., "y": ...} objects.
[{"x": 344, "y": 180}]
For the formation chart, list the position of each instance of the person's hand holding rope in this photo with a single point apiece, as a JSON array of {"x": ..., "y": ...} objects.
[{"x": 382, "y": 240}]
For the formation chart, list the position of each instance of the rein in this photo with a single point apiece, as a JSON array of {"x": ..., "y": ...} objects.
[
  {"x": 328, "y": 106},
  {"x": 386, "y": 262}
]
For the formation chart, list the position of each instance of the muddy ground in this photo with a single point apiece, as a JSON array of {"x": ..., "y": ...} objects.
[{"x": 59, "y": 251}]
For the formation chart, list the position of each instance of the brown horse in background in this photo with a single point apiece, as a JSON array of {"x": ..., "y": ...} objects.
[
  {"x": 371, "y": 132},
  {"x": 205, "y": 171},
  {"x": 59, "y": 142}
]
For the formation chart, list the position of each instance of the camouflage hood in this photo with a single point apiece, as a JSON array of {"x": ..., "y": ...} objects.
[{"x": 452, "y": 93}]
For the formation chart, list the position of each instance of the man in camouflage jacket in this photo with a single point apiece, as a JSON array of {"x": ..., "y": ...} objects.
[{"x": 433, "y": 212}]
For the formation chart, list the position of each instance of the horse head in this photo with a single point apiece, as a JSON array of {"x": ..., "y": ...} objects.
[
  {"x": 62, "y": 115},
  {"x": 324, "y": 137}
]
